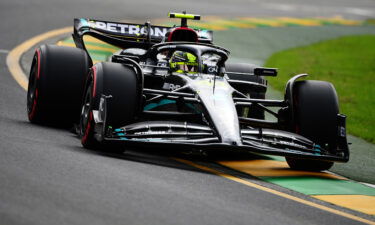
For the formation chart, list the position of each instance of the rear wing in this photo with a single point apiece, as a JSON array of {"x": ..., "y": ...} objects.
[{"x": 126, "y": 35}]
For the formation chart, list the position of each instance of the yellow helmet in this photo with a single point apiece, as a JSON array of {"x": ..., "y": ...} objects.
[{"x": 183, "y": 62}]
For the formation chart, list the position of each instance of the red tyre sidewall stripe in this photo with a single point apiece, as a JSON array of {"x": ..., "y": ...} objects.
[{"x": 36, "y": 94}]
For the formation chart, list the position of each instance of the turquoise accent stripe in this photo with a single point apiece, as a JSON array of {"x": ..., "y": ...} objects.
[{"x": 160, "y": 103}]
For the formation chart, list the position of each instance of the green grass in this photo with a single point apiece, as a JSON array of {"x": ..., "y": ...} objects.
[{"x": 348, "y": 63}]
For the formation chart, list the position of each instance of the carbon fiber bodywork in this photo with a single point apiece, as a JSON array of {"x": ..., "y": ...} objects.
[{"x": 200, "y": 110}]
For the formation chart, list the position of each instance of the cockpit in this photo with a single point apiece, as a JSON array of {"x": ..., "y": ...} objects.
[{"x": 186, "y": 58}]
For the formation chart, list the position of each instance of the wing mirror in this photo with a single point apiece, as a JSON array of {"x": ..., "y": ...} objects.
[{"x": 261, "y": 71}]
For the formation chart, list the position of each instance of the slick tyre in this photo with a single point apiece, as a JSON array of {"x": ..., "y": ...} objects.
[
  {"x": 120, "y": 84},
  {"x": 259, "y": 92},
  {"x": 315, "y": 108},
  {"x": 56, "y": 84}
]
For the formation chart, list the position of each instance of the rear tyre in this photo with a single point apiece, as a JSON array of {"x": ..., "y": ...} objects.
[
  {"x": 258, "y": 93},
  {"x": 315, "y": 109},
  {"x": 115, "y": 80},
  {"x": 56, "y": 84}
]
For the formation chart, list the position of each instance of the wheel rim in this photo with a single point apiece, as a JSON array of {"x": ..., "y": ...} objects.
[{"x": 85, "y": 111}]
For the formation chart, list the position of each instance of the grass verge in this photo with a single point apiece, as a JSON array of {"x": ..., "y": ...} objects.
[{"x": 347, "y": 62}]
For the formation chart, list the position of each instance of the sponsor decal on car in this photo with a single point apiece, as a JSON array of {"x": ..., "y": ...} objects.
[
  {"x": 150, "y": 132},
  {"x": 124, "y": 28},
  {"x": 171, "y": 87}
]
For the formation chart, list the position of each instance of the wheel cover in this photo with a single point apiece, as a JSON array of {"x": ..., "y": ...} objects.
[{"x": 85, "y": 112}]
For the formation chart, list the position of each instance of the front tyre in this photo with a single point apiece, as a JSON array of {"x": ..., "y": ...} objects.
[
  {"x": 315, "y": 109},
  {"x": 120, "y": 83}
]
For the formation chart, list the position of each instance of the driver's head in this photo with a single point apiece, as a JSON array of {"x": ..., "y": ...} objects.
[{"x": 183, "y": 62}]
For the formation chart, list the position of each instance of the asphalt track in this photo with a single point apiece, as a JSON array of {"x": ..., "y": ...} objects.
[{"x": 46, "y": 177}]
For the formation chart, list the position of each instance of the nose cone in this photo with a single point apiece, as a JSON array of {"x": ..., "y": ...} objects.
[
  {"x": 220, "y": 106},
  {"x": 232, "y": 138},
  {"x": 227, "y": 125},
  {"x": 226, "y": 122}
]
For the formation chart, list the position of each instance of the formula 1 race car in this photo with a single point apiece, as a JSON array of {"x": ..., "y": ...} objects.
[{"x": 171, "y": 87}]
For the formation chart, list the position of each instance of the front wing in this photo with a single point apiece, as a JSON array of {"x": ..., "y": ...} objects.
[{"x": 189, "y": 136}]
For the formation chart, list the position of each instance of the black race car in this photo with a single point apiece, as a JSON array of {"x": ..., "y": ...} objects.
[{"x": 171, "y": 87}]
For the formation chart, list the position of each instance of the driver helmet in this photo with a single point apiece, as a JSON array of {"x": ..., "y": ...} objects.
[{"x": 183, "y": 62}]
